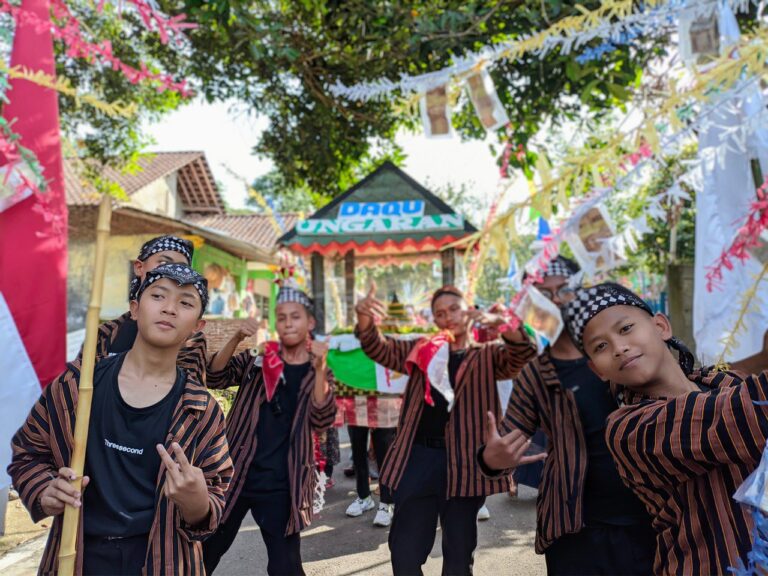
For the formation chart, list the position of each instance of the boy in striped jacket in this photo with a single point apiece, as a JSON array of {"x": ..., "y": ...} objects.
[
  {"x": 157, "y": 461},
  {"x": 683, "y": 441},
  {"x": 285, "y": 393},
  {"x": 431, "y": 465},
  {"x": 588, "y": 521}
]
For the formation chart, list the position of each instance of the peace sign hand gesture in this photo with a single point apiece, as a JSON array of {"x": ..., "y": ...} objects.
[{"x": 185, "y": 485}]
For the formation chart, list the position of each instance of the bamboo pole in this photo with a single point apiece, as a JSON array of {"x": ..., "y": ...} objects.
[{"x": 68, "y": 547}]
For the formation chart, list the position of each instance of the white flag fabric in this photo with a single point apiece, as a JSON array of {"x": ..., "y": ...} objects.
[
  {"x": 19, "y": 386},
  {"x": 722, "y": 204}
]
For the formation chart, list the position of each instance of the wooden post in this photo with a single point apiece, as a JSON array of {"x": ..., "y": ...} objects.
[
  {"x": 757, "y": 173},
  {"x": 449, "y": 266},
  {"x": 318, "y": 290},
  {"x": 349, "y": 286},
  {"x": 68, "y": 547}
]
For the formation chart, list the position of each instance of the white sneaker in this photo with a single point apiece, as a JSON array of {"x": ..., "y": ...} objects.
[
  {"x": 383, "y": 515},
  {"x": 359, "y": 506},
  {"x": 483, "y": 513}
]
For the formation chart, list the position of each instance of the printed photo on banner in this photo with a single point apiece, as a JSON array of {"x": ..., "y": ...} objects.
[
  {"x": 436, "y": 113},
  {"x": 486, "y": 101},
  {"x": 540, "y": 314},
  {"x": 591, "y": 242}
]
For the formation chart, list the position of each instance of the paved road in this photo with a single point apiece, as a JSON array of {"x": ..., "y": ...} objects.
[
  {"x": 336, "y": 545},
  {"x": 339, "y": 546}
]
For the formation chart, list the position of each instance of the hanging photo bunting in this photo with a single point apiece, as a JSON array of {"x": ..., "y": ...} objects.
[
  {"x": 699, "y": 36},
  {"x": 538, "y": 312},
  {"x": 486, "y": 101},
  {"x": 591, "y": 242},
  {"x": 436, "y": 113}
]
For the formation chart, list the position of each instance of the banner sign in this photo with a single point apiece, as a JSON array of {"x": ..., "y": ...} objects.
[
  {"x": 369, "y": 209},
  {"x": 320, "y": 227}
]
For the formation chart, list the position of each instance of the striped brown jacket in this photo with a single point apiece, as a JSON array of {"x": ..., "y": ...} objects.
[
  {"x": 44, "y": 444},
  {"x": 685, "y": 457},
  {"x": 539, "y": 400},
  {"x": 191, "y": 358},
  {"x": 476, "y": 394},
  {"x": 242, "y": 370}
]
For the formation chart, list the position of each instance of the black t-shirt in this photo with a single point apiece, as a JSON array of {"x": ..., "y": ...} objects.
[
  {"x": 121, "y": 460},
  {"x": 434, "y": 418},
  {"x": 606, "y": 499},
  {"x": 269, "y": 468},
  {"x": 126, "y": 336}
]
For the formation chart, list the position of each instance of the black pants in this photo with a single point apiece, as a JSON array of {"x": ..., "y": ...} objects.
[
  {"x": 382, "y": 440},
  {"x": 271, "y": 513},
  {"x": 419, "y": 502},
  {"x": 114, "y": 557},
  {"x": 603, "y": 550}
]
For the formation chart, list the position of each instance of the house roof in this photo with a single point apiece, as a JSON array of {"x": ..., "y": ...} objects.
[
  {"x": 195, "y": 184},
  {"x": 433, "y": 227},
  {"x": 258, "y": 229},
  {"x": 254, "y": 242}
]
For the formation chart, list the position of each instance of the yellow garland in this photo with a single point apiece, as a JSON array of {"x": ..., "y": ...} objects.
[
  {"x": 261, "y": 201},
  {"x": 63, "y": 86},
  {"x": 578, "y": 168}
]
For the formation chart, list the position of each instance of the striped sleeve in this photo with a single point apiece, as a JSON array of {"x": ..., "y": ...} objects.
[
  {"x": 523, "y": 408},
  {"x": 510, "y": 357},
  {"x": 389, "y": 352},
  {"x": 214, "y": 460},
  {"x": 322, "y": 416},
  {"x": 687, "y": 436},
  {"x": 192, "y": 357},
  {"x": 232, "y": 374},
  {"x": 32, "y": 466},
  {"x": 103, "y": 339}
]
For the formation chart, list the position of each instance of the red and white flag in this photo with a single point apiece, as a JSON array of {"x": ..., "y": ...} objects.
[
  {"x": 431, "y": 355},
  {"x": 33, "y": 232}
]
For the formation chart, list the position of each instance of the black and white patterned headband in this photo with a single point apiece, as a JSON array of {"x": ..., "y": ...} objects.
[
  {"x": 160, "y": 244},
  {"x": 182, "y": 275},
  {"x": 589, "y": 302},
  {"x": 165, "y": 243},
  {"x": 293, "y": 294},
  {"x": 560, "y": 266}
]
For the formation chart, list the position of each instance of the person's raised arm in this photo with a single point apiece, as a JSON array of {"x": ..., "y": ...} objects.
[
  {"x": 389, "y": 352},
  {"x": 224, "y": 370}
]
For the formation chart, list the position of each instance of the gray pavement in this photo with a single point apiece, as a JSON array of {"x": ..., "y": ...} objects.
[{"x": 336, "y": 545}]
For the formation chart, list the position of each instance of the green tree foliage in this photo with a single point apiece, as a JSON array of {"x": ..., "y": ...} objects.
[
  {"x": 280, "y": 57},
  {"x": 672, "y": 239},
  {"x": 114, "y": 140}
]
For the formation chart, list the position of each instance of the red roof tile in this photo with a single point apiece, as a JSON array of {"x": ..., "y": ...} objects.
[
  {"x": 257, "y": 229},
  {"x": 196, "y": 185}
]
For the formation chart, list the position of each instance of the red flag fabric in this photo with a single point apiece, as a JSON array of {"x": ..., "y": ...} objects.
[
  {"x": 33, "y": 233},
  {"x": 272, "y": 367}
]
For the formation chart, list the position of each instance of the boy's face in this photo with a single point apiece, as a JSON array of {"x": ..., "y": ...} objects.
[
  {"x": 168, "y": 314},
  {"x": 293, "y": 323},
  {"x": 556, "y": 289},
  {"x": 627, "y": 346},
  {"x": 450, "y": 313},
  {"x": 140, "y": 268}
]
